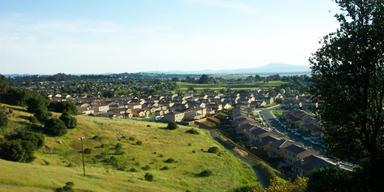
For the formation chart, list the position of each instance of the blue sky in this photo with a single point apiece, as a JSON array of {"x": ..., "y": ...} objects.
[{"x": 95, "y": 36}]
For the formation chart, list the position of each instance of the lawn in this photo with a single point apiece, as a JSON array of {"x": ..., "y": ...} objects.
[{"x": 145, "y": 148}]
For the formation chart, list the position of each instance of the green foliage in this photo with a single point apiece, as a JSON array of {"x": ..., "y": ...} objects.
[
  {"x": 279, "y": 185},
  {"x": 87, "y": 151},
  {"x": 63, "y": 107},
  {"x": 16, "y": 96},
  {"x": 328, "y": 179},
  {"x": 204, "y": 173},
  {"x": 3, "y": 85},
  {"x": 55, "y": 127},
  {"x": 348, "y": 82},
  {"x": 37, "y": 104},
  {"x": 172, "y": 126},
  {"x": 192, "y": 131},
  {"x": 68, "y": 187},
  {"x": 204, "y": 79},
  {"x": 68, "y": 120},
  {"x": 17, "y": 150},
  {"x": 170, "y": 160},
  {"x": 213, "y": 149},
  {"x": 148, "y": 177},
  {"x": 3, "y": 119},
  {"x": 37, "y": 139}
]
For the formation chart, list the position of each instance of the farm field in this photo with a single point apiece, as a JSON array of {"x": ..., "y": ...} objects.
[{"x": 184, "y": 86}]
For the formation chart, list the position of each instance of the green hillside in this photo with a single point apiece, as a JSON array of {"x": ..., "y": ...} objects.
[{"x": 144, "y": 148}]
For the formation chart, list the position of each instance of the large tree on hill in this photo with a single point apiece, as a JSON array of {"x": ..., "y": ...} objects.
[{"x": 348, "y": 83}]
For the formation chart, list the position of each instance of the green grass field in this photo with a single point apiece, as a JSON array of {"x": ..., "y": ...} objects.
[
  {"x": 59, "y": 161},
  {"x": 183, "y": 86}
]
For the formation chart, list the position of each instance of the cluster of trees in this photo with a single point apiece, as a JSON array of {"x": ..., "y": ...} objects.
[
  {"x": 115, "y": 85},
  {"x": 20, "y": 146},
  {"x": 348, "y": 83}
]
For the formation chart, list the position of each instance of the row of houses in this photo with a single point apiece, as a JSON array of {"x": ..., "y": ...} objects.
[
  {"x": 295, "y": 158},
  {"x": 304, "y": 121},
  {"x": 173, "y": 107}
]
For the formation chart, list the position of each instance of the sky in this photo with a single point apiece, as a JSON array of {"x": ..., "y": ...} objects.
[{"x": 115, "y": 36}]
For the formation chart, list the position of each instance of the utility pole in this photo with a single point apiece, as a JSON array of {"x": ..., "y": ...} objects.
[{"x": 82, "y": 153}]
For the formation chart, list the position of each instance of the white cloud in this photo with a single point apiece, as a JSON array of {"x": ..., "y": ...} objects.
[{"x": 231, "y": 4}]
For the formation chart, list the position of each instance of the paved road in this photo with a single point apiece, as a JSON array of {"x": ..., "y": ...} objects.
[{"x": 272, "y": 121}]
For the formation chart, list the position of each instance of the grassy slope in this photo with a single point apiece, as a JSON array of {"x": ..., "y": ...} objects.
[{"x": 59, "y": 161}]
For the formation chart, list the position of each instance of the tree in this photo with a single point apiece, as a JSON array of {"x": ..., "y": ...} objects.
[
  {"x": 55, "y": 127},
  {"x": 204, "y": 79},
  {"x": 330, "y": 179},
  {"x": 348, "y": 83},
  {"x": 3, "y": 119},
  {"x": 17, "y": 150},
  {"x": 3, "y": 85},
  {"x": 37, "y": 104},
  {"x": 36, "y": 139},
  {"x": 63, "y": 107},
  {"x": 172, "y": 126},
  {"x": 68, "y": 120}
]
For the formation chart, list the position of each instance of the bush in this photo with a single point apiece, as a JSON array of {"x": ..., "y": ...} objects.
[
  {"x": 63, "y": 107},
  {"x": 36, "y": 139},
  {"x": 68, "y": 187},
  {"x": 3, "y": 119},
  {"x": 87, "y": 151},
  {"x": 192, "y": 131},
  {"x": 55, "y": 127},
  {"x": 172, "y": 126},
  {"x": 147, "y": 167},
  {"x": 17, "y": 150},
  {"x": 148, "y": 177},
  {"x": 204, "y": 173},
  {"x": 41, "y": 115},
  {"x": 33, "y": 119},
  {"x": 68, "y": 120},
  {"x": 132, "y": 170},
  {"x": 213, "y": 149},
  {"x": 170, "y": 160},
  {"x": 139, "y": 143},
  {"x": 164, "y": 168}
]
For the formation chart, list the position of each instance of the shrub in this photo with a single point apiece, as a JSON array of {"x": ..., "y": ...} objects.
[
  {"x": 148, "y": 125},
  {"x": 148, "y": 177},
  {"x": 172, "y": 126},
  {"x": 17, "y": 150},
  {"x": 147, "y": 167},
  {"x": 164, "y": 168},
  {"x": 68, "y": 120},
  {"x": 63, "y": 107},
  {"x": 192, "y": 131},
  {"x": 132, "y": 170},
  {"x": 68, "y": 187},
  {"x": 36, "y": 139},
  {"x": 213, "y": 149},
  {"x": 55, "y": 127},
  {"x": 139, "y": 143},
  {"x": 87, "y": 151},
  {"x": 204, "y": 173},
  {"x": 170, "y": 160},
  {"x": 3, "y": 119},
  {"x": 33, "y": 119}
]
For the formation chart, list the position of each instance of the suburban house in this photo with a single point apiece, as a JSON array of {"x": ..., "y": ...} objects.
[
  {"x": 174, "y": 116},
  {"x": 295, "y": 153},
  {"x": 305, "y": 165}
]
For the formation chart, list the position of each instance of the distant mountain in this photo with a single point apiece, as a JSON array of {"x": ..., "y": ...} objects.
[{"x": 269, "y": 68}]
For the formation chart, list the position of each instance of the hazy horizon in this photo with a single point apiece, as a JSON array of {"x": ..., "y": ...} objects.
[{"x": 82, "y": 37}]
